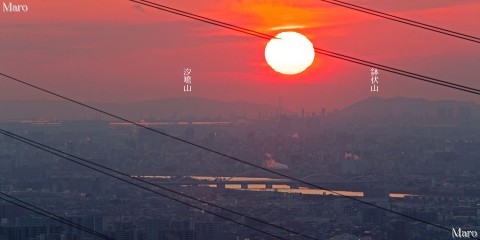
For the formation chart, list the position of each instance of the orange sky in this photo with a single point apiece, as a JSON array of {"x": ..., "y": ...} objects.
[{"x": 117, "y": 51}]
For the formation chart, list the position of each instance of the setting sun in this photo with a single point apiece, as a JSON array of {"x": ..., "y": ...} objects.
[{"x": 289, "y": 53}]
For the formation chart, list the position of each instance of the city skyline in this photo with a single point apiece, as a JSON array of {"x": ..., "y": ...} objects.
[{"x": 129, "y": 120}]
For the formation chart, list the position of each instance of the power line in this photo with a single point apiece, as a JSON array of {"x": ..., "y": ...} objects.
[
  {"x": 346, "y": 5},
  {"x": 50, "y": 215},
  {"x": 400, "y": 72},
  {"x": 317, "y": 50},
  {"x": 63, "y": 155},
  {"x": 265, "y": 36},
  {"x": 356, "y": 8},
  {"x": 18, "y": 137},
  {"x": 404, "y": 20},
  {"x": 211, "y": 21},
  {"x": 221, "y": 154},
  {"x": 206, "y": 20}
]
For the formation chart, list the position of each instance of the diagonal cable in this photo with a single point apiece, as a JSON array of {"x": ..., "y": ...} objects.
[
  {"x": 346, "y": 5},
  {"x": 60, "y": 154},
  {"x": 321, "y": 51},
  {"x": 317, "y": 50},
  {"x": 405, "y": 21},
  {"x": 18, "y": 137},
  {"x": 223, "y": 154},
  {"x": 45, "y": 213}
]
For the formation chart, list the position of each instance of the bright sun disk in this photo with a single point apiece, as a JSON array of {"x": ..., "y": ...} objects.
[{"x": 289, "y": 53}]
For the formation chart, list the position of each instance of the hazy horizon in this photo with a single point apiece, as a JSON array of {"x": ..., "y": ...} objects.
[{"x": 133, "y": 53}]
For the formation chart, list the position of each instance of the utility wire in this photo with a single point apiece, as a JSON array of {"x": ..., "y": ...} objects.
[
  {"x": 317, "y": 50},
  {"x": 45, "y": 213},
  {"x": 222, "y": 154},
  {"x": 400, "y": 72},
  {"x": 205, "y": 19},
  {"x": 18, "y": 137},
  {"x": 346, "y": 5},
  {"x": 405, "y": 21},
  {"x": 266, "y": 36},
  {"x": 64, "y": 156}
]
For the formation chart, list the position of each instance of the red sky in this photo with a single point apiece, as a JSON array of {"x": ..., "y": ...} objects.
[{"x": 117, "y": 51}]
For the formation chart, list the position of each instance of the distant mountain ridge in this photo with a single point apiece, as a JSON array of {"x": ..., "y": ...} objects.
[
  {"x": 375, "y": 107},
  {"x": 174, "y": 108},
  {"x": 194, "y": 108}
]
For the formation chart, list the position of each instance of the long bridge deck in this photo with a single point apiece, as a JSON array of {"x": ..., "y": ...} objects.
[{"x": 347, "y": 185}]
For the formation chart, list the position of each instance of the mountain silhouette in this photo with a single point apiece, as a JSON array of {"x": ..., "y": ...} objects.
[
  {"x": 171, "y": 108},
  {"x": 193, "y": 108},
  {"x": 402, "y": 107}
]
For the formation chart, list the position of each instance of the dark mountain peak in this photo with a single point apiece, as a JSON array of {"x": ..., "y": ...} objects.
[{"x": 375, "y": 107}]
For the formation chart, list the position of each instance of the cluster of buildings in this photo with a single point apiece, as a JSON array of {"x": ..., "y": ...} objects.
[{"x": 433, "y": 166}]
